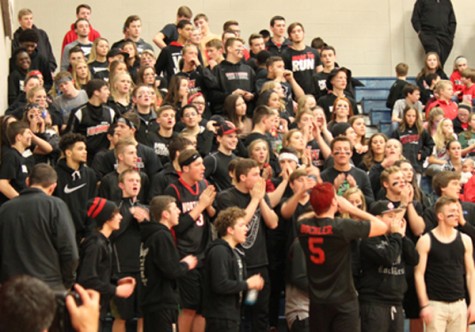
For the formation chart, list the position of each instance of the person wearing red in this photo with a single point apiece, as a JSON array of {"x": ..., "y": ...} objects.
[
  {"x": 82, "y": 11},
  {"x": 444, "y": 91}
]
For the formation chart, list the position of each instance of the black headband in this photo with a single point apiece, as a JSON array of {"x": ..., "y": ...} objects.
[{"x": 191, "y": 159}]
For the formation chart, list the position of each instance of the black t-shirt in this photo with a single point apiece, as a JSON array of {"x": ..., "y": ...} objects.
[
  {"x": 160, "y": 146},
  {"x": 255, "y": 245},
  {"x": 327, "y": 246},
  {"x": 14, "y": 168},
  {"x": 326, "y": 102},
  {"x": 170, "y": 32},
  {"x": 303, "y": 64},
  {"x": 216, "y": 169}
]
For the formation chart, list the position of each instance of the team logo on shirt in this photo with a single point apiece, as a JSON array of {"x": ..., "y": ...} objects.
[
  {"x": 253, "y": 226},
  {"x": 142, "y": 257},
  {"x": 97, "y": 130},
  {"x": 240, "y": 75}
]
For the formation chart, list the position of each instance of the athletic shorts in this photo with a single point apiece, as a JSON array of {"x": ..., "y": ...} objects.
[
  {"x": 128, "y": 308},
  {"x": 191, "y": 290}
]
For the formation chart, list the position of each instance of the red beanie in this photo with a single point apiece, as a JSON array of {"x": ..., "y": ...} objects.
[{"x": 321, "y": 197}]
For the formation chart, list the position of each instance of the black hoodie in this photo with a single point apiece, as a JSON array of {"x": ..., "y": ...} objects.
[
  {"x": 225, "y": 282},
  {"x": 160, "y": 267},
  {"x": 75, "y": 188}
]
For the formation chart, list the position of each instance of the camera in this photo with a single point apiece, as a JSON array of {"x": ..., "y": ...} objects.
[{"x": 62, "y": 320}]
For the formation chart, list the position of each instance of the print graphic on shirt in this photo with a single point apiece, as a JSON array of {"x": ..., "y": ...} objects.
[
  {"x": 393, "y": 270},
  {"x": 176, "y": 57},
  {"x": 315, "y": 242},
  {"x": 99, "y": 129},
  {"x": 188, "y": 206},
  {"x": 142, "y": 257},
  {"x": 253, "y": 226},
  {"x": 303, "y": 62},
  {"x": 240, "y": 75},
  {"x": 161, "y": 149},
  {"x": 68, "y": 190},
  {"x": 410, "y": 139},
  {"x": 322, "y": 84}
]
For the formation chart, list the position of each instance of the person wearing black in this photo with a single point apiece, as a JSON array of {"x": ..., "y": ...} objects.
[
  {"x": 278, "y": 43},
  {"x": 161, "y": 266},
  {"x": 141, "y": 96},
  {"x": 249, "y": 193},
  {"x": 445, "y": 271},
  {"x": 216, "y": 163},
  {"x": 95, "y": 266},
  {"x": 164, "y": 135},
  {"x": 29, "y": 39},
  {"x": 171, "y": 172},
  {"x": 37, "y": 234},
  {"x": 126, "y": 127},
  {"x": 326, "y": 242},
  {"x": 342, "y": 174},
  {"x": 302, "y": 60},
  {"x": 76, "y": 182},
  {"x": 132, "y": 29},
  {"x": 16, "y": 78},
  {"x": 14, "y": 167},
  {"x": 194, "y": 198},
  {"x": 225, "y": 273},
  {"x": 126, "y": 248},
  {"x": 233, "y": 77},
  {"x": 25, "y": 19},
  {"x": 435, "y": 24},
  {"x": 170, "y": 56},
  {"x": 126, "y": 153},
  {"x": 93, "y": 119},
  {"x": 337, "y": 84},
  {"x": 384, "y": 260}
]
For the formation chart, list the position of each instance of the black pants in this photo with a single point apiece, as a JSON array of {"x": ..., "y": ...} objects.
[
  {"x": 160, "y": 321},
  {"x": 256, "y": 317},
  {"x": 220, "y": 325},
  {"x": 376, "y": 317},
  {"x": 335, "y": 317},
  {"x": 433, "y": 42}
]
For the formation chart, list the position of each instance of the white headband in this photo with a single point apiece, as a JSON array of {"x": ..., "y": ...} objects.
[{"x": 288, "y": 156}]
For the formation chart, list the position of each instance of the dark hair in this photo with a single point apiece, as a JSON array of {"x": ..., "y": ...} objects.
[
  {"x": 94, "y": 85},
  {"x": 262, "y": 56},
  {"x": 340, "y": 139},
  {"x": 260, "y": 112},
  {"x": 293, "y": 26},
  {"x": 318, "y": 43},
  {"x": 230, "y": 108},
  {"x": 227, "y": 218},
  {"x": 69, "y": 140},
  {"x": 79, "y": 20},
  {"x": 184, "y": 11},
  {"x": 26, "y": 304},
  {"x": 159, "y": 204},
  {"x": 178, "y": 144},
  {"x": 229, "y": 23},
  {"x": 75, "y": 49},
  {"x": 409, "y": 89},
  {"x": 130, "y": 19},
  {"x": 14, "y": 129},
  {"x": 264, "y": 33},
  {"x": 272, "y": 59},
  {"x": 78, "y": 8},
  {"x": 28, "y": 35},
  {"x": 243, "y": 167},
  {"x": 276, "y": 18},
  {"x": 43, "y": 175},
  {"x": 183, "y": 23},
  {"x": 254, "y": 36},
  {"x": 328, "y": 48},
  {"x": 442, "y": 179}
]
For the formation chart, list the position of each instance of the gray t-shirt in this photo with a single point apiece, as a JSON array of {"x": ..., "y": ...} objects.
[{"x": 66, "y": 105}]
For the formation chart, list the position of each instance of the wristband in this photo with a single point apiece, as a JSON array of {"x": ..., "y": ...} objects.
[{"x": 425, "y": 306}]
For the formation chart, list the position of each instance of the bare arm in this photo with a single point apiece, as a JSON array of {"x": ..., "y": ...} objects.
[
  {"x": 468, "y": 258},
  {"x": 7, "y": 189},
  {"x": 422, "y": 247},
  {"x": 270, "y": 217}
]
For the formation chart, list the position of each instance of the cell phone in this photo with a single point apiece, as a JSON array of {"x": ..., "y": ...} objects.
[{"x": 62, "y": 319}]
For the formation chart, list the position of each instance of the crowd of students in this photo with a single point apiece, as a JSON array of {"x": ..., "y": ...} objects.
[{"x": 186, "y": 176}]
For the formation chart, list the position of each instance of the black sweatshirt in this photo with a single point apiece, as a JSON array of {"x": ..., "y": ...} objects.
[
  {"x": 383, "y": 261},
  {"x": 160, "y": 268},
  {"x": 225, "y": 282}
]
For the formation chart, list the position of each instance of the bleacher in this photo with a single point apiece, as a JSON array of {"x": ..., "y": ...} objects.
[{"x": 372, "y": 99}]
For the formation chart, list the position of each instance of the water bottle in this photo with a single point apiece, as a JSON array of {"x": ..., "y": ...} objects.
[{"x": 251, "y": 297}]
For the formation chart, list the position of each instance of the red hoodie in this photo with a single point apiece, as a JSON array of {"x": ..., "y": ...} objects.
[{"x": 72, "y": 36}]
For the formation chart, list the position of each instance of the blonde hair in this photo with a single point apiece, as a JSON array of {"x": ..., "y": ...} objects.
[
  {"x": 77, "y": 84},
  {"x": 114, "y": 92},
  {"x": 439, "y": 138},
  {"x": 251, "y": 147}
]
